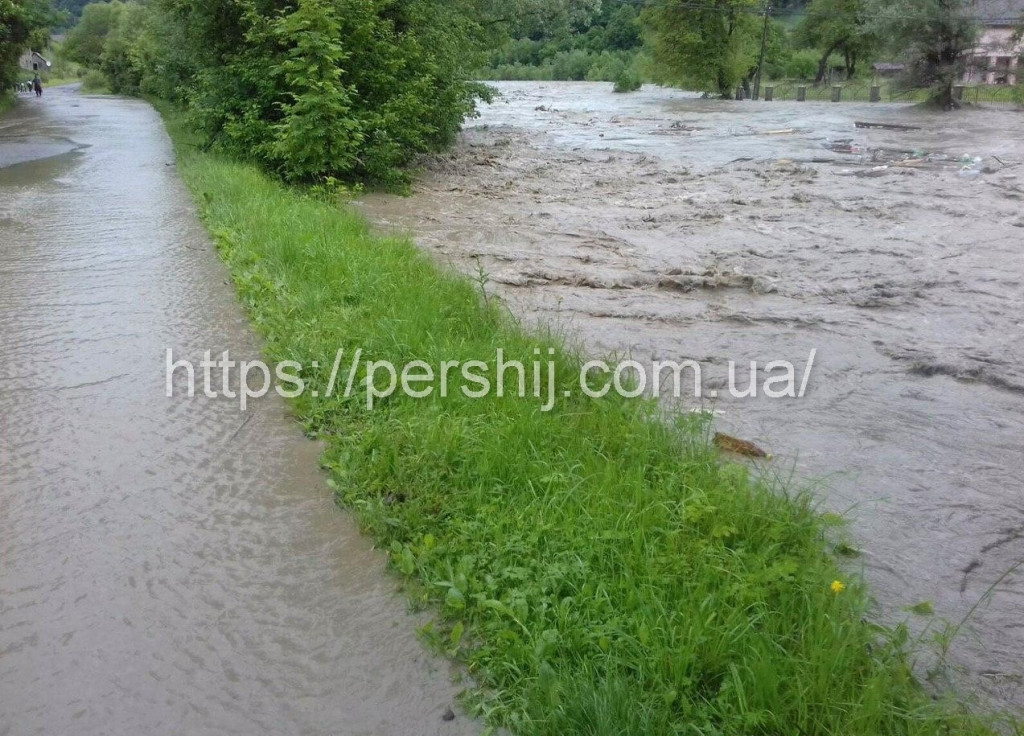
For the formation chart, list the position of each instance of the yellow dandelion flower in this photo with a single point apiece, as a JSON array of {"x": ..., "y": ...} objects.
[{"x": 838, "y": 586}]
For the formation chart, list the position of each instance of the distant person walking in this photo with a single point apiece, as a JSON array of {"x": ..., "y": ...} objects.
[{"x": 37, "y": 84}]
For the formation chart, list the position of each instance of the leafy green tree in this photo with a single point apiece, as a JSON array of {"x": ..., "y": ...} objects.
[
  {"x": 623, "y": 29},
  {"x": 71, "y": 11},
  {"x": 538, "y": 19},
  {"x": 319, "y": 131},
  {"x": 311, "y": 89},
  {"x": 710, "y": 45},
  {"x": 24, "y": 24},
  {"x": 935, "y": 36},
  {"x": 72, "y": 7},
  {"x": 563, "y": 40},
  {"x": 833, "y": 26},
  {"x": 85, "y": 42},
  {"x": 777, "y": 53}
]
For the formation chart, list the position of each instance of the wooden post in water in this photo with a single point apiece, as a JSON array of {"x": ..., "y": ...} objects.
[
  {"x": 801, "y": 93},
  {"x": 876, "y": 93},
  {"x": 837, "y": 92},
  {"x": 769, "y": 94},
  {"x": 739, "y": 93}
]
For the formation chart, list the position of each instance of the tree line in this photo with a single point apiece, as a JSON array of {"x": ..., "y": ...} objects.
[
  {"x": 717, "y": 45},
  {"x": 310, "y": 89},
  {"x": 24, "y": 24},
  {"x": 355, "y": 89}
]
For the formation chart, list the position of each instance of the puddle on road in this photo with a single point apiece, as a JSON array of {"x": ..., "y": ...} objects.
[
  {"x": 668, "y": 227},
  {"x": 166, "y": 565}
]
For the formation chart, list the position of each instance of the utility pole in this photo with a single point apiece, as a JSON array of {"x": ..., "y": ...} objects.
[{"x": 764, "y": 43}]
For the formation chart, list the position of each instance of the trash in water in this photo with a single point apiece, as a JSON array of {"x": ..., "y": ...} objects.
[
  {"x": 738, "y": 446},
  {"x": 876, "y": 171},
  {"x": 886, "y": 126},
  {"x": 845, "y": 145}
]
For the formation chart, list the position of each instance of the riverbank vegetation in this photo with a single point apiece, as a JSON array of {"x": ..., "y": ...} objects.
[
  {"x": 24, "y": 24},
  {"x": 598, "y": 569},
  {"x": 322, "y": 88},
  {"x": 345, "y": 89},
  {"x": 717, "y": 47},
  {"x": 597, "y": 42}
]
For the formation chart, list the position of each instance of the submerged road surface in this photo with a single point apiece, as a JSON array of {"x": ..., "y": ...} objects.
[{"x": 166, "y": 565}]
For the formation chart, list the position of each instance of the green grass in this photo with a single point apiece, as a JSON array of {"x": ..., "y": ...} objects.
[
  {"x": 598, "y": 570},
  {"x": 7, "y": 100},
  {"x": 61, "y": 81}
]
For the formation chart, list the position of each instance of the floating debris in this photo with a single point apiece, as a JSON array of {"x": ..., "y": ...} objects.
[
  {"x": 738, "y": 446},
  {"x": 886, "y": 126}
]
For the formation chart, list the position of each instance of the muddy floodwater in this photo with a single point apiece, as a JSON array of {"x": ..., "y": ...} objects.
[
  {"x": 167, "y": 566},
  {"x": 662, "y": 226}
]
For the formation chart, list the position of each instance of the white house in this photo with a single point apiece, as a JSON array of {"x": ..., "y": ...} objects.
[
  {"x": 33, "y": 61},
  {"x": 996, "y": 57}
]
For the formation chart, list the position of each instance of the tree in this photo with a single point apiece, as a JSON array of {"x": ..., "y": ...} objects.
[
  {"x": 123, "y": 59},
  {"x": 573, "y": 40},
  {"x": 935, "y": 36},
  {"x": 85, "y": 42},
  {"x": 832, "y": 26},
  {"x": 623, "y": 29},
  {"x": 72, "y": 10},
  {"x": 24, "y": 24},
  {"x": 319, "y": 131},
  {"x": 538, "y": 19},
  {"x": 710, "y": 45},
  {"x": 311, "y": 89}
]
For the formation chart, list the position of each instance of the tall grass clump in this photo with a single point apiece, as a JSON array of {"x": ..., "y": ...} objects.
[{"x": 597, "y": 569}]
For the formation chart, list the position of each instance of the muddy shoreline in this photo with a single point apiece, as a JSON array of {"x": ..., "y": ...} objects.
[{"x": 665, "y": 227}]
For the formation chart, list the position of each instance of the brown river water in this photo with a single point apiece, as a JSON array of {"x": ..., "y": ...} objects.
[
  {"x": 659, "y": 225},
  {"x": 167, "y": 566}
]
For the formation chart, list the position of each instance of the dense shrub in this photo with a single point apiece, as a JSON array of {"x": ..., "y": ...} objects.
[
  {"x": 94, "y": 81},
  {"x": 608, "y": 66},
  {"x": 308, "y": 88},
  {"x": 628, "y": 81},
  {"x": 801, "y": 65}
]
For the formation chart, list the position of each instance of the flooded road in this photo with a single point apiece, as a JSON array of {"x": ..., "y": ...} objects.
[
  {"x": 666, "y": 227},
  {"x": 167, "y": 566}
]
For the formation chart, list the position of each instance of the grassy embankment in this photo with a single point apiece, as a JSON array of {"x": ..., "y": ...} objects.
[
  {"x": 61, "y": 81},
  {"x": 598, "y": 570}
]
